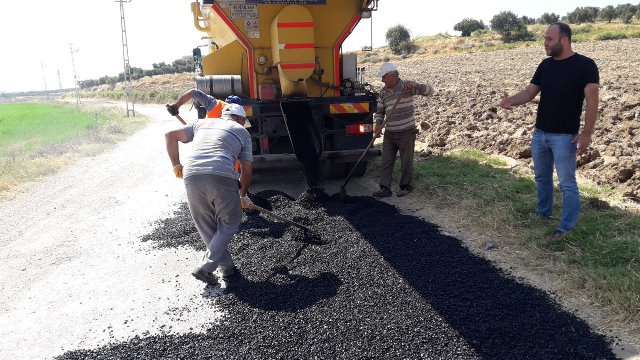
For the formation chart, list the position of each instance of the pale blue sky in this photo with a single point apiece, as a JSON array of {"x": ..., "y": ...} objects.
[{"x": 39, "y": 32}]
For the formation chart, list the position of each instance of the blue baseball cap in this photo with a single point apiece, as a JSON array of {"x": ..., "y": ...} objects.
[{"x": 232, "y": 99}]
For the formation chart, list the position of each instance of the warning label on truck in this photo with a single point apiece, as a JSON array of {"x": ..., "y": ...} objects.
[
  {"x": 227, "y": 3},
  {"x": 299, "y": 2},
  {"x": 242, "y": 11}
]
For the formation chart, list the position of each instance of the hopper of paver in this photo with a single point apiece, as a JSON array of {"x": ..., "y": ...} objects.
[{"x": 306, "y": 100}]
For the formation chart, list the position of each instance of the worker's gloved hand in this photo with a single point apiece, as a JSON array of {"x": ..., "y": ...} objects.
[
  {"x": 375, "y": 129},
  {"x": 246, "y": 202},
  {"x": 177, "y": 170},
  {"x": 173, "y": 110}
]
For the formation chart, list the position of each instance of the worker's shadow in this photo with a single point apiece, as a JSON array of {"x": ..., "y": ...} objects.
[{"x": 283, "y": 291}]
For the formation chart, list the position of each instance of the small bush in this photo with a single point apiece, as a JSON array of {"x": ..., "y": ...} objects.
[{"x": 611, "y": 36}]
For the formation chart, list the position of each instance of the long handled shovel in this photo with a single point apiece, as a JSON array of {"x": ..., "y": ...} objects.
[{"x": 278, "y": 217}]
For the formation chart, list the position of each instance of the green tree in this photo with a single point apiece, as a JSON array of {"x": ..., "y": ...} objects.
[
  {"x": 468, "y": 25},
  {"x": 608, "y": 13},
  {"x": 547, "y": 18},
  {"x": 399, "y": 40},
  {"x": 582, "y": 15},
  {"x": 509, "y": 26}
]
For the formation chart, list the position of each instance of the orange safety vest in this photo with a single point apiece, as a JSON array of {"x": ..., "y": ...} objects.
[{"x": 216, "y": 112}]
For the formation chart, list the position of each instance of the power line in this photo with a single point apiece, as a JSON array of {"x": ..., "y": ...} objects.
[
  {"x": 75, "y": 74},
  {"x": 44, "y": 78},
  {"x": 128, "y": 94}
]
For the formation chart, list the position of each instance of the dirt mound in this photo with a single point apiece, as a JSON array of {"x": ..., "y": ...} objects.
[{"x": 466, "y": 113}]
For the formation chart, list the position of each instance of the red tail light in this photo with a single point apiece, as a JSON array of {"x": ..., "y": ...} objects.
[{"x": 358, "y": 129}]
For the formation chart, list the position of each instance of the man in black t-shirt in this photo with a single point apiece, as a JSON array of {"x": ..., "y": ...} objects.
[{"x": 564, "y": 80}]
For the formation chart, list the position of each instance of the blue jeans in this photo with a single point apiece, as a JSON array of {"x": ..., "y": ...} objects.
[{"x": 548, "y": 149}]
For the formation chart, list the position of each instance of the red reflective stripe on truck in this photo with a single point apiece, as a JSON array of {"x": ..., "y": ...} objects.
[
  {"x": 297, "y": 46},
  {"x": 336, "y": 49},
  {"x": 245, "y": 44},
  {"x": 297, "y": 66},
  {"x": 360, "y": 107},
  {"x": 295, "y": 24}
]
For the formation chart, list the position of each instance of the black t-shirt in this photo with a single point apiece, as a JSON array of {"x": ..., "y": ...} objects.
[{"x": 562, "y": 84}]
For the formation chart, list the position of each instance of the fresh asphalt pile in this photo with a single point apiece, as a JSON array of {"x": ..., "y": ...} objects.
[{"x": 378, "y": 284}]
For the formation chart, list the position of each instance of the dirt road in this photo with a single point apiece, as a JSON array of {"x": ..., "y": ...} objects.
[{"x": 74, "y": 273}]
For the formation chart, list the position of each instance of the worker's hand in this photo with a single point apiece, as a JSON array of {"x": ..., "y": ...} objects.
[
  {"x": 583, "y": 140},
  {"x": 375, "y": 131},
  {"x": 246, "y": 202},
  {"x": 409, "y": 85},
  {"x": 173, "y": 110},
  {"x": 177, "y": 170},
  {"x": 505, "y": 103}
]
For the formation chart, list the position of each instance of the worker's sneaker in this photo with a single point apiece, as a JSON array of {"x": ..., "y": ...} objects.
[
  {"x": 383, "y": 192},
  {"x": 205, "y": 276},
  {"x": 404, "y": 190}
]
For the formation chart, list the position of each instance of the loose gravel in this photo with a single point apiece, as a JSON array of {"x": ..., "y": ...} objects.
[{"x": 378, "y": 284}]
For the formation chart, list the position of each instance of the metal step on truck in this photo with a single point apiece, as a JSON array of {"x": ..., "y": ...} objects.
[{"x": 307, "y": 102}]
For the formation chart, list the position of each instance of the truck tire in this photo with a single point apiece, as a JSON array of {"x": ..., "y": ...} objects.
[{"x": 360, "y": 170}]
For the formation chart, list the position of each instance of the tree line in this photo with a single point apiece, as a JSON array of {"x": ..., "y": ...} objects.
[
  {"x": 182, "y": 65},
  {"x": 512, "y": 27}
]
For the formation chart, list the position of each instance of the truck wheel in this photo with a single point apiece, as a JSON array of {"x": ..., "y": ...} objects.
[
  {"x": 360, "y": 170},
  {"x": 334, "y": 170}
]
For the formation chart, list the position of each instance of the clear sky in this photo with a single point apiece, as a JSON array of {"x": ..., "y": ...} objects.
[{"x": 38, "y": 33}]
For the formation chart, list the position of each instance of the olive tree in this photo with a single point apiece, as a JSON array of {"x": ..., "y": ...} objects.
[
  {"x": 509, "y": 26},
  {"x": 399, "y": 40},
  {"x": 468, "y": 25},
  {"x": 547, "y": 18}
]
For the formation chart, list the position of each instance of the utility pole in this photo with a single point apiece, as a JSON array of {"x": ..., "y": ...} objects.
[
  {"x": 59, "y": 80},
  {"x": 75, "y": 74},
  {"x": 44, "y": 78},
  {"x": 128, "y": 94}
]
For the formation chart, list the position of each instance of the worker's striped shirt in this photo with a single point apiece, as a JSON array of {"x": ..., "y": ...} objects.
[{"x": 402, "y": 118}]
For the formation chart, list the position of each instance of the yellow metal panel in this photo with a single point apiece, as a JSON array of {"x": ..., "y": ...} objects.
[
  {"x": 330, "y": 21},
  {"x": 292, "y": 43}
]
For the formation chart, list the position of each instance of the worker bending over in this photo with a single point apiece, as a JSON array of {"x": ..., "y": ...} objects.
[{"x": 212, "y": 183}]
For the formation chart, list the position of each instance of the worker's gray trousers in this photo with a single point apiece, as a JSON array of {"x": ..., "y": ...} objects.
[
  {"x": 214, "y": 202},
  {"x": 404, "y": 142}
]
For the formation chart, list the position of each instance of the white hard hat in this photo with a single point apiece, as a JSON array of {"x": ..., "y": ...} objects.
[
  {"x": 235, "y": 109},
  {"x": 386, "y": 68}
]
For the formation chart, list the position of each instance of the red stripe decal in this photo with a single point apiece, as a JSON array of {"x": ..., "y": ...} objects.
[
  {"x": 295, "y": 25},
  {"x": 299, "y": 46},
  {"x": 297, "y": 66},
  {"x": 336, "y": 49},
  {"x": 245, "y": 43}
]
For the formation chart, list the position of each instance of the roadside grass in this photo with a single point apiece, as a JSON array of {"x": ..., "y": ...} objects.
[
  {"x": 37, "y": 139},
  {"x": 600, "y": 259}
]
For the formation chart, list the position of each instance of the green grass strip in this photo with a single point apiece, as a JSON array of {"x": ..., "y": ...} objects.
[{"x": 37, "y": 124}]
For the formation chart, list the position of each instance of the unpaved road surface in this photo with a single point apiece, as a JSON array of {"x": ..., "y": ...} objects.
[{"x": 78, "y": 282}]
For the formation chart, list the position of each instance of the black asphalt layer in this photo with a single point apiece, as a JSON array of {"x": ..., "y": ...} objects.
[{"x": 380, "y": 284}]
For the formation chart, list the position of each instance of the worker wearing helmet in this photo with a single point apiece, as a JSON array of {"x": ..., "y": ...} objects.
[
  {"x": 212, "y": 106},
  {"x": 400, "y": 127},
  {"x": 212, "y": 183}
]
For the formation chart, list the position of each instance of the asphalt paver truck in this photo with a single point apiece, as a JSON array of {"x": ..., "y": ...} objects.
[{"x": 307, "y": 102}]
